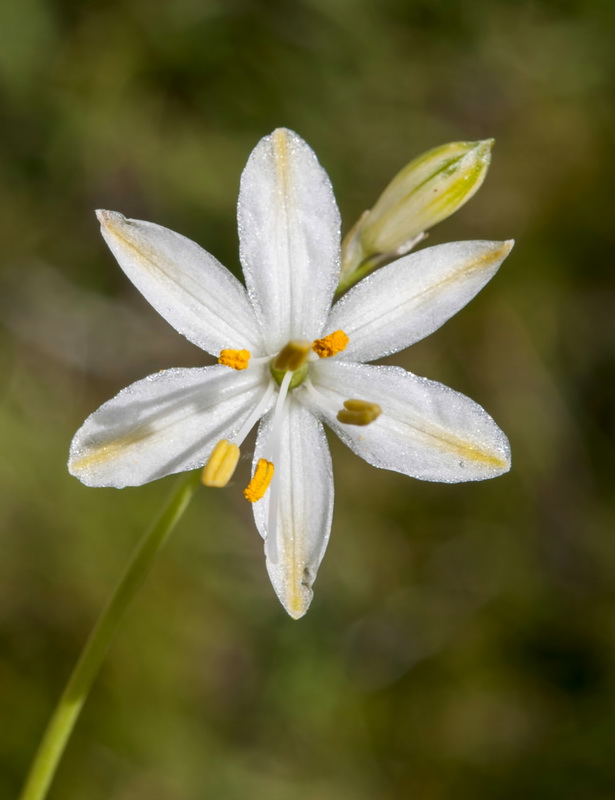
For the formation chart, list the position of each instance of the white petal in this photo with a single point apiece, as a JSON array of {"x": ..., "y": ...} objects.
[
  {"x": 426, "y": 430},
  {"x": 305, "y": 506},
  {"x": 289, "y": 230},
  {"x": 184, "y": 283},
  {"x": 402, "y": 303},
  {"x": 165, "y": 423}
]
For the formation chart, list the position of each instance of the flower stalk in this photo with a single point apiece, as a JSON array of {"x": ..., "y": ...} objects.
[{"x": 78, "y": 687}]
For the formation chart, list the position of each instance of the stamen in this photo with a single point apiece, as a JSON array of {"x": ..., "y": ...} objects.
[
  {"x": 221, "y": 464},
  {"x": 236, "y": 359},
  {"x": 274, "y": 446},
  {"x": 292, "y": 356},
  {"x": 259, "y": 484},
  {"x": 331, "y": 344},
  {"x": 256, "y": 414},
  {"x": 322, "y": 400},
  {"x": 358, "y": 412}
]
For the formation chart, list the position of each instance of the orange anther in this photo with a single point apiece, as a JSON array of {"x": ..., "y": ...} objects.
[
  {"x": 331, "y": 344},
  {"x": 236, "y": 359},
  {"x": 260, "y": 482}
]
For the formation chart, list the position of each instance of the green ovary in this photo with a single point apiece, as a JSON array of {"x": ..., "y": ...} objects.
[{"x": 299, "y": 375}]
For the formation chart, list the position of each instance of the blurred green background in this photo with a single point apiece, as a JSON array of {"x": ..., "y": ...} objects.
[{"x": 461, "y": 642}]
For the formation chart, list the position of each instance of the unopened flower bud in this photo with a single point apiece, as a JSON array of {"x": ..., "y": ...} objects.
[{"x": 426, "y": 191}]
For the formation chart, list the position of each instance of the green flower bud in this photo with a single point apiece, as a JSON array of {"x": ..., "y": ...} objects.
[
  {"x": 426, "y": 191},
  {"x": 429, "y": 189}
]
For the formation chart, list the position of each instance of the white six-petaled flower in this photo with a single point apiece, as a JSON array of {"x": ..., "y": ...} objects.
[{"x": 291, "y": 358}]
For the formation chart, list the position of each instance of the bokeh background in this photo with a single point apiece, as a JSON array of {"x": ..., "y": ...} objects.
[{"x": 461, "y": 640}]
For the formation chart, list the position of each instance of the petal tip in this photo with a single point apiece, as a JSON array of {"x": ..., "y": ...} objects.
[
  {"x": 497, "y": 253},
  {"x": 502, "y": 466},
  {"x": 292, "y": 586},
  {"x": 297, "y": 605},
  {"x": 497, "y": 460},
  {"x": 506, "y": 459},
  {"x": 297, "y": 614},
  {"x": 296, "y": 597},
  {"x": 78, "y": 469},
  {"x": 286, "y": 133},
  {"x": 484, "y": 462},
  {"x": 108, "y": 218}
]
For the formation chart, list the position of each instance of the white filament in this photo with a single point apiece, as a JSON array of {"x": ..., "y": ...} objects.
[
  {"x": 321, "y": 399},
  {"x": 273, "y": 452},
  {"x": 254, "y": 416}
]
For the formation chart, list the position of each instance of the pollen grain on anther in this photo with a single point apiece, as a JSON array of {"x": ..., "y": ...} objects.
[
  {"x": 221, "y": 464},
  {"x": 359, "y": 412},
  {"x": 259, "y": 484},
  {"x": 236, "y": 359},
  {"x": 331, "y": 345}
]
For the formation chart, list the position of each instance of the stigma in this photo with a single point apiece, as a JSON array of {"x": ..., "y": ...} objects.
[
  {"x": 221, "y": 464},
  {"x": 236, "y": 359},
  {"x": 259, "y": 484},
  {"x": 292, "y": 356},
  {"x": 359, "y": 412}
]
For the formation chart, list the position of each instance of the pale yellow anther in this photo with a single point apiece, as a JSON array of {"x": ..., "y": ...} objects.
[
  {"x": 292, "y": 356},
  {"x": 221, "y": 465},
  {"x": 236, "y": 359},
  {"x": 331, "y": 344},
  {"x": 260, "y": 482},
  {"x": 359, "y": 412}
]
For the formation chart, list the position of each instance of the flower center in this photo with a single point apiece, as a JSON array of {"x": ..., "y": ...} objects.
[
  {"x": 288, "y": 369},
  {"x": 291, "y": 358}
]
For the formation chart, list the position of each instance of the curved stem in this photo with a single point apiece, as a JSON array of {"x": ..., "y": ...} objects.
[
  {"x": 364, "y": 268},
  {"x": 372, "y": 262},
  {"x": 78, "y": 687}
]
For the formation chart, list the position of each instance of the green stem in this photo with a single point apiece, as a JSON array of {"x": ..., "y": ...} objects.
[
  {"x": 351, "y": 274},
  {"x": 75, "y": 694},
  {"x": 364, "y": 268}
]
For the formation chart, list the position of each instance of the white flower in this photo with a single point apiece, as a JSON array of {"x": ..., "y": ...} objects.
[{"x": 291, "y": 359}]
